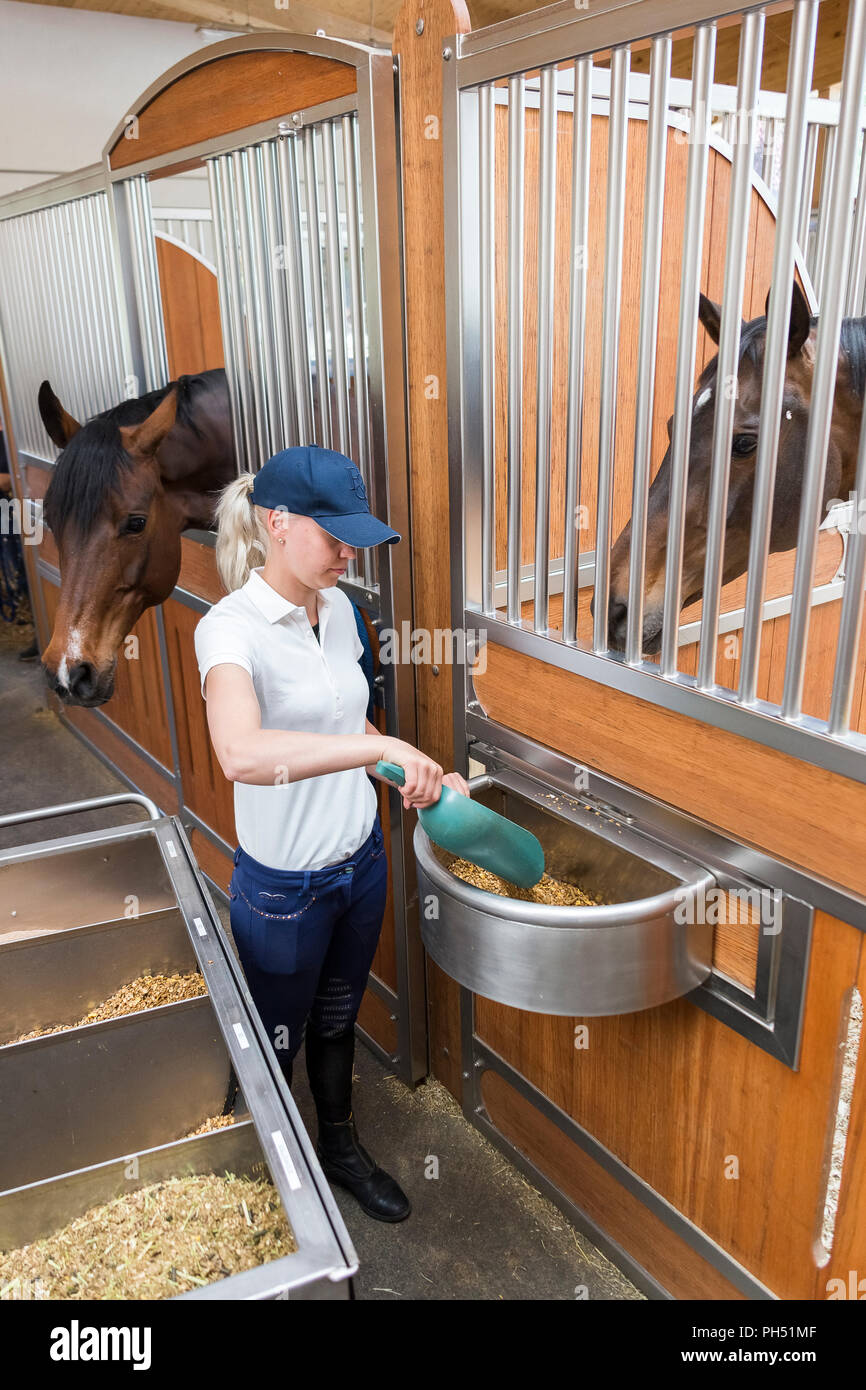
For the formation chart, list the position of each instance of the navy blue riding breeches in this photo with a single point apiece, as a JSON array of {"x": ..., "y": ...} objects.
[{"x": 306, "y": 939}]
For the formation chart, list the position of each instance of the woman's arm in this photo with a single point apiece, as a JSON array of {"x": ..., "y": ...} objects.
[{"x": 268, "y": 757}]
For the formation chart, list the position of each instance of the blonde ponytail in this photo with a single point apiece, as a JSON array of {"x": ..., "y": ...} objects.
[{"x": 242, "y": 539}]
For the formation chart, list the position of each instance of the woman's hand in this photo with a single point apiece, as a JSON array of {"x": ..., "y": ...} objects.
[
  {"x": 423, "y": 784},
  {"x": 456, "y": 782}
]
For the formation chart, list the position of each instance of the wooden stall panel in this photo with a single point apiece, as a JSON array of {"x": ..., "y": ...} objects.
[
  {"x": 623, "y": 1217},
  {"x": 198, "y": 571},
  {"x": 206, "y": 790},
  {"x": 226, "y": 94},
  {"x": 190, "y": 310},
  {"x": 733, "y": 1138}
]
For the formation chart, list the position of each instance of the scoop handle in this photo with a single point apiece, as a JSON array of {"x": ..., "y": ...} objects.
[{"x": 392, "y": 771}]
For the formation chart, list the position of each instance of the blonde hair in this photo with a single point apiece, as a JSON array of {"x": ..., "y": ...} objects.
[{"x": 242, "y": 537}]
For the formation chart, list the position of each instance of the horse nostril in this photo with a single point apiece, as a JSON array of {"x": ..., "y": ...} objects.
[{"x": 82, "y": 680}]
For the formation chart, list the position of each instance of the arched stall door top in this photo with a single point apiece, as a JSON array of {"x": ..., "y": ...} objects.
[{"x": 231, "y": 86}]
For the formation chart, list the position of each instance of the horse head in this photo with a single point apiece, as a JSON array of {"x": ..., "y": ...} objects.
[
  {"x": 117, "y": 529},
  {"x": 789, "y": 468}
]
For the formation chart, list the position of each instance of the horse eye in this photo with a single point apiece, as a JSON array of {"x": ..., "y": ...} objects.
[
  {"x": 743, "y": 444},
  {"x": 133, "y": 526}
]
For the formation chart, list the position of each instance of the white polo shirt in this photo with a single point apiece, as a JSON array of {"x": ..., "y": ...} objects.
[{"x": 302, "y": 685}]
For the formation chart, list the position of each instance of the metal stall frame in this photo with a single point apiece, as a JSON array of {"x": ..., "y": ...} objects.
[
  {"x": 386, "y": 593},
  {"x": 555, "y": 35},
  {"x": 325, "y": 1260}
]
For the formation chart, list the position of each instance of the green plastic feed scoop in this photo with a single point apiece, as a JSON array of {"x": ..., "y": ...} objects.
[{"x": 474, "y": 832}]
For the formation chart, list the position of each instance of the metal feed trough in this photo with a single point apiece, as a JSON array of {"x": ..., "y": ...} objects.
[
  {"x": 79, "y": 917},
  {"x": 639, "y": 948}
]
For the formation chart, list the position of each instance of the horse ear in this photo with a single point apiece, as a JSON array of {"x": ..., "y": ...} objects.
[
  {"x": 710, "y": 315},
  {"x": 801, "y": 321},
  {"x": 59, "y": 424},
  {"x": 145, "y": 439}
]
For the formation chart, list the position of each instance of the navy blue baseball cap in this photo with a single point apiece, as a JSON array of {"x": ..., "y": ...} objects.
[{"x": 326, "y": 486}]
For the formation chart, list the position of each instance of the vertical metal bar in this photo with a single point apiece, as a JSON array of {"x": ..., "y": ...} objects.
[
  {"x": 225, "y": 173},
  {"x": 544, "y": 360},
  {"x": 359, "y": 350},
  {"x": 805, "y": 217},
  {"x": 264, "y": 316},
  {"x": 111, "y": 383},
  {"x": 651, "y": 265},
  {"x": 77, "y": 269},
  {"x": 222, "y": 252},
  {"x": 857, "y": 268},
  {"x": 284, "y": 426},
  {"x": 851, "y": 617},
  {"x": 31, "y": 431},
  {"x": 252, "y": 290},
  {"x": 826, "y": 353},
  {"x": 65, "y": 340},
  {"x": 487, "y": 335},
  {"x": 703, "y": 59},
  {"x": 152, "y": 285},
  {"x": 286, "y": 159},
  {"x": 613, "y": 242},
  {"x": 748, "y": 80},
  {"x": 852, "y": 612},
  {"x": 824, "y": 210},
  {"x": 334, "y": 261},
  {"x": 110, "y": 289},
  {"x": 514, "y": 474},
  {"x": 803, "y": 32},
  {"x": 581, "y": 130},
  {"x": 130, "y": 189},
  {"x": 323, "y": 385}
]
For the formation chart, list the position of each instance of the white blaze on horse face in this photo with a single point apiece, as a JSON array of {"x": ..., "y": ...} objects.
[
  {"x": 71, "y": 656},
  {"x": 705, "y": 396}
]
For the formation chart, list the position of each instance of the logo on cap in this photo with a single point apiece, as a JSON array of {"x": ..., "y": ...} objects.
[{"x": 357, "y": 481}]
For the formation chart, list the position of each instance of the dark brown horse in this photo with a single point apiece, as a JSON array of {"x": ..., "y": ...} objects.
[
  {"x": 839, "y": 477},
  {"x": 127, "y": 484}
]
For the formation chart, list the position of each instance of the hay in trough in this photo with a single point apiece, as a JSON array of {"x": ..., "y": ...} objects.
[
  {"x": 551, "y": 891},
  {"x": 145, "y": 992},
  {"x": 165, "y": 1239}
]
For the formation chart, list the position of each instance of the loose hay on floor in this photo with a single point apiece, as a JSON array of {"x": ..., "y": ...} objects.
[
  {"x": 146, "y": 992},
  {"x": 551, "y": 891},
  {"x": 163, "y": 1240}
]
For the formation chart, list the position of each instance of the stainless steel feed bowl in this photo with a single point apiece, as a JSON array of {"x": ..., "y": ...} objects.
[{"x": 638, "y": 950}]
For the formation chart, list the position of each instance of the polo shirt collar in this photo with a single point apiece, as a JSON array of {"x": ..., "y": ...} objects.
[{"x": 271, "y": 604}]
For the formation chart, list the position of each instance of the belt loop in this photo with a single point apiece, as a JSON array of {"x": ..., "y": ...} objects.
[
  {"x": 306, "y": 880},
  {"x": 237, "y": 854}
]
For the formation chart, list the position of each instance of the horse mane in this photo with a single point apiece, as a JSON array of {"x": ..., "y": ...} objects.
[
  {"x": 852, "y": 342},
  {"x": 94, "y": 459}
]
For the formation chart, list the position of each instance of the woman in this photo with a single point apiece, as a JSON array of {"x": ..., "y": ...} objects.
[{"x": 286, "y": 707}]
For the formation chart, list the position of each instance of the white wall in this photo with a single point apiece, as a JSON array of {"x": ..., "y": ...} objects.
[{"x": 67, "y": 77}]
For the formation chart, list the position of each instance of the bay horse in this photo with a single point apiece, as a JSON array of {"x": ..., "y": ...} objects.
[
  {"x": 127, "y": 483},
  {"x": 838, "y": 480}
]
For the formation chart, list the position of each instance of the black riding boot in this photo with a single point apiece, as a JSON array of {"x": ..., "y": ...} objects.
[{"x": 343, "y": 1158}]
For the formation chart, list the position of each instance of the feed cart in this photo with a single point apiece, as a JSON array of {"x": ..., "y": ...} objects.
[{"x": 100, "y": 1109}]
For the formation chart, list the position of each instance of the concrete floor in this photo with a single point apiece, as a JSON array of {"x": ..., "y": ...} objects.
[{"x": 479, "y": 1230}]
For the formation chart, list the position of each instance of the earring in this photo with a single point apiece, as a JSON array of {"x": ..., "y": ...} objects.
[{"x": 281, "y": 540}]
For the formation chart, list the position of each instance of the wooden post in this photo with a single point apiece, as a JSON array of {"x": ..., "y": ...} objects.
[{"x": 420, "y": 56}]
